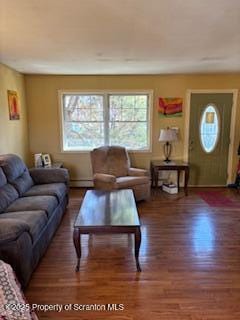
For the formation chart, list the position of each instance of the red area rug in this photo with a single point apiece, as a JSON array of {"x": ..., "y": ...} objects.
[{"x": 218, "y": 199}]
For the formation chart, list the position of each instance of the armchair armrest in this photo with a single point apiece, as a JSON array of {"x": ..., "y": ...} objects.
[
  {"x": 104, "y": 177},
  {"x": 137, "y": 172},
  {"x": 104, "y": 181},
  {"x": 43, "y": 176},
  {"x": 11, "y": 229}
]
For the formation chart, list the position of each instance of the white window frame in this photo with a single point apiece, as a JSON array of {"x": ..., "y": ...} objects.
[{"x": 105, "y": 94}]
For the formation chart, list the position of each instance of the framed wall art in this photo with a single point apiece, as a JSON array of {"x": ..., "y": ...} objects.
[
  {"x": 170, "y": 107},
  {"x": 13, "y": 105}
]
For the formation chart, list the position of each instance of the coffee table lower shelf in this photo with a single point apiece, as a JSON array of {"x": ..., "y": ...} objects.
[{"x": 136, "y": 230}]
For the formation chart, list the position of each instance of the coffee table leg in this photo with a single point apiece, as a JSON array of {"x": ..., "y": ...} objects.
[
  {"x": 137, "y": 247},
  {"x": 77, "y": 244}
]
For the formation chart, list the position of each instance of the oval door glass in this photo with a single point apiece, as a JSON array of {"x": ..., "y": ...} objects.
[{"x": 209, "y": 128}]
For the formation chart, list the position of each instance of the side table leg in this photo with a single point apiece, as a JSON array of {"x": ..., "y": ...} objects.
[
  {"x": 156, "y": 177},
  {"x": 186, "y": 181},
  {"x": 152, "y": 176},
  {"x": 178, "y": 180},
  {"x": 137, "y": 247},
  {"x": 77, "y": 244}
]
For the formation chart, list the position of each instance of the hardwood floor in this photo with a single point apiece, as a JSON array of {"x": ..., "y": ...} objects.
[{"x": 190, "y": 259}]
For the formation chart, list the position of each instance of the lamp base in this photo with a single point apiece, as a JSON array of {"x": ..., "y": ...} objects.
[{"x": 167, "y": 148}]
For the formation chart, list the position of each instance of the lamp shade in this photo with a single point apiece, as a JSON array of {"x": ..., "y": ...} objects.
[{"x": 168, "y": 135}]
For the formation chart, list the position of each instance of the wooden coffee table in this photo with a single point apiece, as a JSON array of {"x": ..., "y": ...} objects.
[{"x": 107, "y": 212}]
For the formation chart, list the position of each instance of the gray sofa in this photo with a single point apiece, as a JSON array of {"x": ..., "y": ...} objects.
[{"x": 32, "y": 203}]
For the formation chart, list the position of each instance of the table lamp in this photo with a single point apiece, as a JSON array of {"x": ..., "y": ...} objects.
[{"x": 167, "y": 135}]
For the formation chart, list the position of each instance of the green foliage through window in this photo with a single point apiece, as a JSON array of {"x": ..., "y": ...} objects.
[{"x": 93, "y": 120}]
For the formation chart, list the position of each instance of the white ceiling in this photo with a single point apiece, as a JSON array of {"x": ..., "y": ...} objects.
[{"x": 120, "y": 36}]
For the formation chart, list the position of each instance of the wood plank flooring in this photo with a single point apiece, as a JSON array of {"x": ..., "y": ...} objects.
[{"x": 190, "y": 257}]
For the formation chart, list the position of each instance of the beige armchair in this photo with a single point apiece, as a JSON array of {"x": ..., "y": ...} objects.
[{"x": 111, "y": 169}]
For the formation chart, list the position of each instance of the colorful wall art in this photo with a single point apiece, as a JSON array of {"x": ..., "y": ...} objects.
[
  {"x": 170, "y": 107},
  {"x": 13, "y": 105}
]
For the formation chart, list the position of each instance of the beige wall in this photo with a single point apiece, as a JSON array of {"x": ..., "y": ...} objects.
[
  {"x": 13, "y": 133},
  {"x": 44, "y": 128}
]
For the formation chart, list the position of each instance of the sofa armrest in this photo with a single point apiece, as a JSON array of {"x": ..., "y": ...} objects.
[
  {"x": 104, "y": 181},
  {"x": 137, "y": 172},
  {"x": 11, "y": 229},
  {"x": 49, "y": 175}
]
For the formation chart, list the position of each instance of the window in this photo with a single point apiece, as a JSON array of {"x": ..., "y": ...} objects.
[
  {"x": 209, "y": 128},
  {"x": 90, "y": 120}
]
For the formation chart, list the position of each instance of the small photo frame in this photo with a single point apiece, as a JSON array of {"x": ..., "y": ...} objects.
[
  {"x": 38, "y": 160},
  {"x": 46, "y": 160},
  {"x": 13, "y": 105}
]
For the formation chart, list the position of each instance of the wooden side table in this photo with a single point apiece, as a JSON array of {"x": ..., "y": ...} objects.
[{"x": 158, "y": 165}]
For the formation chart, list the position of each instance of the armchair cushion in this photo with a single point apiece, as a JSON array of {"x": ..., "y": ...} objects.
[
  {"x": 137, "y": 172},
  {"x": 111, "y": 160},
  {"x": 126, "y": 182},
  {"x": 111, "y": 169},
  {"x": 104, "y": 177},
  {"x": 118, "y": 161},
  {"x": 104, "y": 181},
  {"x": 42, "y": 176}
]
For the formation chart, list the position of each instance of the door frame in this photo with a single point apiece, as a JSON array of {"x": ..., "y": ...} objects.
[{"x": 234, "y": 92}]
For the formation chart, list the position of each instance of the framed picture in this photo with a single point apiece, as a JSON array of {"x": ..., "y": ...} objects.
[
  {"x": 46, "y": 160},
  {"x": 170, "y": 107},
  {"x": 38, "y": 160},
  {"x": 13, "y": 105}
]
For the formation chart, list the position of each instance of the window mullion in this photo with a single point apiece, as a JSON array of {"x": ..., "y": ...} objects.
[{"x": 106, "y": 119}]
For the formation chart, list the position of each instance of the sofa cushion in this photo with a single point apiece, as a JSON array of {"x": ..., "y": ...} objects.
[
  {"x": 3, "y": 179},
  {"x": 45, "y": 203},
  {"x": 49, "y": 175},
  {"x": 16, "y": 172},
  {"x": 130, "y": 181},
  {"x": 11, "y": 229},
  {"x": 7, "y": 195},
  {"x": 36, "y": 220},
  {"x": 58, "y": 190}
]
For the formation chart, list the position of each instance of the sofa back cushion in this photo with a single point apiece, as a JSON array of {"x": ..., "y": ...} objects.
[
  {"x": 16, "y": 172},
  {"x": 3, "y": 179},
  {"x": 7, "y": 192}
]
